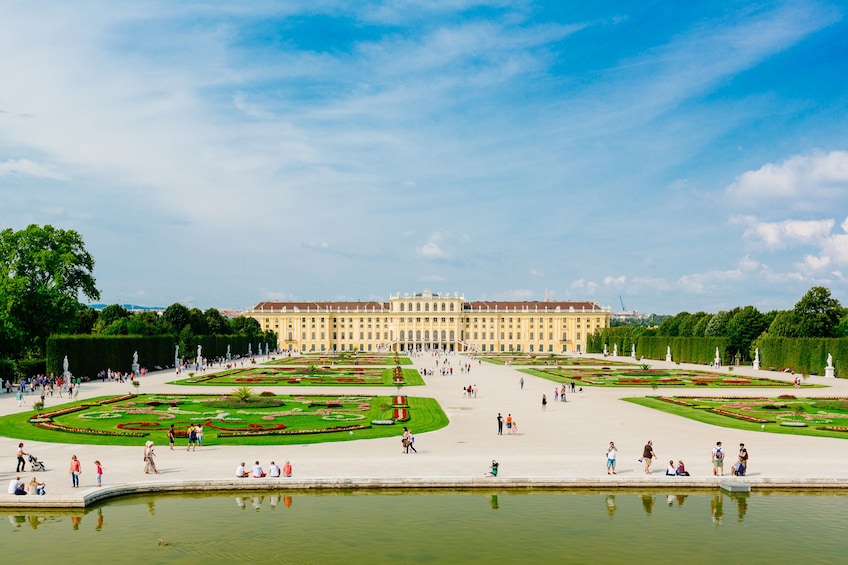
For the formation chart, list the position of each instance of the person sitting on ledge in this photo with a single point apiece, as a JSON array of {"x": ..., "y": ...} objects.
[
  {"x": 681, "y": 469},
  {"x": 258, "y": 473},
  {"x": 738, "y": 468},
  {"x": 494, "y": 471},
  {"x": 287, "y": 469},
  {"x": 241, "y": 472},
  {"x": 16, "y": 486},
  {"x": 671, "y": 471},
  {"x": 274, "y": 470}
]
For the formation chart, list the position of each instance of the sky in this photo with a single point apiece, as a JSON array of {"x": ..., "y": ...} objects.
[{"x": 667, "y": 156}]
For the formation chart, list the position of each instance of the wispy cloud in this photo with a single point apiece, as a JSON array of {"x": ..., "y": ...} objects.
[{"x": 25, "y": 167}]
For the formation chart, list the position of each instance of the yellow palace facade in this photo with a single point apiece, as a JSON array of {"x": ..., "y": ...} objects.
[{"x": 432, "y": 321}]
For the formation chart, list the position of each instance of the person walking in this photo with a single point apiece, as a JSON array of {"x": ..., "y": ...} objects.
[
  {"x": 718, "y": 460},
  {"x": 521, "y": 383},
  {"x": 500, "y": 424},
  {"x": 150, "y": 464},
  {"x": 612, "y": 452},
  {"x": 544, "y": 403},
  {"x": 172, "y": 437},
  {"x": 98, "y": 473},
  {"x": 21, "y": 460},
  {"x": 192, "y": 438},
  {"x": 648, "y": 455},
  {"x": 75, "y": 470}
]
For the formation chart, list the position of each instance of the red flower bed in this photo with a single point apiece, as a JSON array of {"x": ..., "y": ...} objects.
[
  {"x": 138, "y": 425},
  {"x": 62, "y": 428},
  {"x": 675, "y": 401},
  {"x": 834, "y": 428},
  {"x": 741, "y": 416},
  {"x": 250, "y": 427}
]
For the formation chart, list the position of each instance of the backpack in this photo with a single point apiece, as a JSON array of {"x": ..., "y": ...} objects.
[{"x": 719, "y": 454}]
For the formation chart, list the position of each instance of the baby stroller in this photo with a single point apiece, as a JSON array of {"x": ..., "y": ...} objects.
[{"x": 35, "y": 464}]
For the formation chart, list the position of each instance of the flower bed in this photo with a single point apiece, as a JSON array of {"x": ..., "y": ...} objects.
[
  {"x": 742, "y": 416},
  {"x": 138, "y": 425}
]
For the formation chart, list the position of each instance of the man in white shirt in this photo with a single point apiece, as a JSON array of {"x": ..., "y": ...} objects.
[
  {"x": 258, "y": 473},
  {"x": 274, "y": 470},
  {"x": 241, "y": 472},
  {"x": 16, "y": 486}
]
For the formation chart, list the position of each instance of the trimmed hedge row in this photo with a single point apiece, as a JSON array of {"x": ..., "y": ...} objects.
[
  {"x": 683, "y": 349},
  {"x": 90, "y": 354},
  {"x": 624, "y": 336},
  {"x": 804, "y": 355}
]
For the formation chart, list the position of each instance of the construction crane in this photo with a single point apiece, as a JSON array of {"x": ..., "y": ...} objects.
[{"x": 622, "y": 303}]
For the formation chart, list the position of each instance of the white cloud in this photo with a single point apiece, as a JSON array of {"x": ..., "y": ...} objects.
[
  {"x": 787, "y": 232},
  {"x": 618, "y": 281},
  {"x": 430, "y": 250},
  {"x": 29, "y": 168},
  {"x": 537, "y": 273},
  {"x": 807, "y": 179}
]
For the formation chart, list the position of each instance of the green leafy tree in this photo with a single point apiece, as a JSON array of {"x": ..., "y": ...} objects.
[
  {"x": 86, "y": 318},
  {"x": 198, "y": 322},
  {"x": 43, "y": 273},
  {"x": 108, "y": 316},
  {"x": 687, "y": 326},
  {"x": 671, "y": 326},
  {"x": 188, "y": 343},
  {"x": 717, "y": 327},
  {"x": 701, "y": 327},
  {"x": 743, "y": 328},
  {"x": 217, "y": 323},
  {"x": 246, "y": 326},
  {"x": 785, "y": 324},
  {"x": 176, "y": 316},
  {"x": 146, "y": 323},
  {"x": 818, "y": 313}
]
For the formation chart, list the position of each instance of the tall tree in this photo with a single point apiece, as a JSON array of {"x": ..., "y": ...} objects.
[
  {"x": 743, "y": 328},
  {"x": 216, "y": 322},
  {"x": 785, "y": 324},
  {"x": 176, "y": 316},
  {"x": 43, "y": 273},
  {"x": 818, "y": 313}
]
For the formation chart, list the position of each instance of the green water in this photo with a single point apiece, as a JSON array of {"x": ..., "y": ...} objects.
[{"x": 403, "y": 527}]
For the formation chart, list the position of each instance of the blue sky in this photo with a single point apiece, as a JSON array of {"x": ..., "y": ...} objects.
[{"x": 686, "y": 156}]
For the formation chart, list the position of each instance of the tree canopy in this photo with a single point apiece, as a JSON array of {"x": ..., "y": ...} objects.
[{"x": 43, "y": 273}]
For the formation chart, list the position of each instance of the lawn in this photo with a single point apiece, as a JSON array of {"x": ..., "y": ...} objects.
[
  {"x": 264, "y": 419},
  {"x": 615, "y": 377},
  {"x": 328, "y": 359},
  {"x": 547, "y": 359},
  {"x": 784, "y": 414},
  {"x": 305, "y": 376}
]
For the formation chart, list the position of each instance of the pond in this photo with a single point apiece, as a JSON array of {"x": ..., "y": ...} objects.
[{"x": 442, "y": 527}]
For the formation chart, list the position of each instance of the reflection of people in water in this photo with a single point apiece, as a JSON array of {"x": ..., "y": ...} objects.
[
  {"x": 648, "y": 503},
  {"x": 99, "y": 520},
  {"x": 717, "y": 508},
  {"x": 741, "y": 500},
  {"x": 681, "y": 498},
  {"x": 240, "y": 502},
  {"x": 151, "y": 508},
  {"x": 273, "y": 500},
  {"x": 287, "y": 500},
  {"x": 76, "y": 521},
  {"x": 610, "y": 504},
  {"x": 494, "y": 502}
]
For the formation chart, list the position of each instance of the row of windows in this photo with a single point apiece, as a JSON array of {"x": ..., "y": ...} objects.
[{"x": 427, "y": 307}]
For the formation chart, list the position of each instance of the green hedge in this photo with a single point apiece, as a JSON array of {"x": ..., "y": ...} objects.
[
  {"x": 624, "y": 336},
  {"x": 7, "y": 370},
  {"x": 90, "y": 354},
  {"x": 683, "y": 349},
  {"x": 804, "y": 355}
]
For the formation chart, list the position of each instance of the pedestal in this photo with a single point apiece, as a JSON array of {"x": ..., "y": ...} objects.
[
  {"x": 756, "y": 365},
  {"x": 668, "y": 358},
  {"x": 829, "y": 372}
]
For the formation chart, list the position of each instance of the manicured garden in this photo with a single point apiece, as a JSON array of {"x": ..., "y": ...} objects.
[
  {"x": 546, "y": 359},
  {"x": 341, "y": 358},
  {"x": 784, "y": 414},
  {"x": 642, "y": 377},
  {"x": 240, "y": 418},
  {"x": 307, "y": 376}
]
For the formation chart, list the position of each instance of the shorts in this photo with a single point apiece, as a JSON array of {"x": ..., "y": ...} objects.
[
  {"x": 718, "y": 463},
  {"x": 610, "y": 463}
]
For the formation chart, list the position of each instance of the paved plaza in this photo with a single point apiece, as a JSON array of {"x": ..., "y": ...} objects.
[{"x": 562, "y": 446}]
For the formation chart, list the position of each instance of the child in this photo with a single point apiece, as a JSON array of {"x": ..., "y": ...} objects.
[{"x": 98, "y": 473}]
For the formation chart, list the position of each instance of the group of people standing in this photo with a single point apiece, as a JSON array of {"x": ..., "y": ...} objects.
[
  {"x": 739, "y": 468},
  {"x": 511, "y": 424},
  {"x": 194, "y": 435}
]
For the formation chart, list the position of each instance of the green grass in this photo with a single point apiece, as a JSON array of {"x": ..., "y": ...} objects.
[
  {"x": 425, "y": 415},
  {"x": 326, "y": 359},
  {"x": 707, "y": 416},
  {"x": 260, "y": 377},
  {"x": 670, "y": 378}
]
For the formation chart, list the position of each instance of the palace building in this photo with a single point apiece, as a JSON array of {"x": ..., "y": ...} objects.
[{"x": 428, "y": 321}]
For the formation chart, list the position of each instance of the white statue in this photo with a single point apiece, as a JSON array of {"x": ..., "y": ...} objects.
[
  {"x": 135, "y": 357},
  {"x": 199, "y": 353},
  {"x": 830, "y": 361},
  {"x": 65, "y": 364},
  {"x": 757, "y": 359},
  {"x": 615, "y": 350},
  {"x": 633, "y": 350}
]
